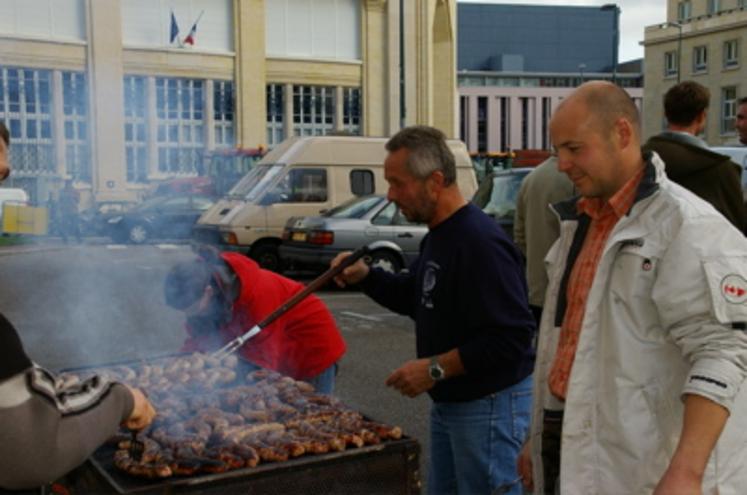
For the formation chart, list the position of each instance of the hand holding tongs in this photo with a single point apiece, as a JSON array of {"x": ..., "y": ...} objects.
[{"x": 298, "y": 297}]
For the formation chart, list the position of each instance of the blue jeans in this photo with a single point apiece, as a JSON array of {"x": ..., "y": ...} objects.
[
  {"x": 324, "y": 382},
  {"x": 475, "y": 444}
]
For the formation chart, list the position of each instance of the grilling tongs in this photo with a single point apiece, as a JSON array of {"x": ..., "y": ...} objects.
[{"x": 315, "y": 284}]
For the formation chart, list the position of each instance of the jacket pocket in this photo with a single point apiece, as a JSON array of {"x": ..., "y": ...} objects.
[{"x": 521, "y": 404}]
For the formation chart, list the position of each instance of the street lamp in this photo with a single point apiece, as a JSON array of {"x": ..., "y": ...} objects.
[
  {"x": 614, "y": 7},
  {"x": 679, "y": 45}
]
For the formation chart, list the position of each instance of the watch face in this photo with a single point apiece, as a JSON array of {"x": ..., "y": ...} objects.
[{"x": 436, "y": 372}]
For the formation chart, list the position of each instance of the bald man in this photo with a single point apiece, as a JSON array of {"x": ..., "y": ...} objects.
[{"x": 642, "y": 353}]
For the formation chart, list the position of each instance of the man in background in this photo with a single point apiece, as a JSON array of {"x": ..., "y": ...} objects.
[
  {"x": 536, "y": 226},
  {"x": 741, "y": 123},
  {"x": 687, "y": 158}
]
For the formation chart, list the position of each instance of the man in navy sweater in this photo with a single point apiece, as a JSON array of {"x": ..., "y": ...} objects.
[{"x": 468, "y": 297}]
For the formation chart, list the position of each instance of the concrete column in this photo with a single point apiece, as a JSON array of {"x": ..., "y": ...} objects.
[
  {"x": 251, "y": 86},
  {"x": 288, "y": 104},
  {"x": 494, "y": 123},
  {"x": 151, "y": 124},
  {"x": 514, "y": 119},
  {"x": 339, "y": 96},
  {"x": 537, "y": 128},
  {"x": 392, "y": 124},
  {"x": 105, "y": 70},
  {"x": 208, "y": 102},
  {"x": 58, "y": 123},
  {"x": 375, "y": 68}
]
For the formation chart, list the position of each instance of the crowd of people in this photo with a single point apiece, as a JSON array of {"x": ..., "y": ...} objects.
[{"x": 603, "y": 352}]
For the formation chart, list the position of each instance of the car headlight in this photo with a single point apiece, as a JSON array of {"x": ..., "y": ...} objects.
[{"x": 113, "y": 220}]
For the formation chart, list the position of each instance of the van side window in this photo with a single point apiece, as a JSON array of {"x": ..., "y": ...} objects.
[
  {"x": 303, "y": 185},
  {"x": 361, "y": 182}
]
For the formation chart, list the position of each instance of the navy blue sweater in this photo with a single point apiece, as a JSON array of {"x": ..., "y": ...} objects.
[{"x": 466, "y": 290}]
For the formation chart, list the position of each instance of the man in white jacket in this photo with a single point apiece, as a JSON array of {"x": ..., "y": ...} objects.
[{"x": 642, "y": 348}]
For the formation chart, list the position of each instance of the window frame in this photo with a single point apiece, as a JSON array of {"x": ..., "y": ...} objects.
[
  {"x": 700, "y": 63},
  {"x": 728, "y": 110}
]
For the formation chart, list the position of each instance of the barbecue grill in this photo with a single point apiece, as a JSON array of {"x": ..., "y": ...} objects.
[{"x": 388, "y": 468}]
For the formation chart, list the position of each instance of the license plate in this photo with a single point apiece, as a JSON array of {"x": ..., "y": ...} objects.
[{"x": 299, "y": 236}]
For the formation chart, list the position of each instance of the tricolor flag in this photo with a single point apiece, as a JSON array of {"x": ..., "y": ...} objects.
[
  {"x": 174, "y": 31},
  {"x": 190, "y": 39}
]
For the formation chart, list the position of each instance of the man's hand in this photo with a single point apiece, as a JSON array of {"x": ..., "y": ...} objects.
[
  {"x": 524, "y": 466},
  {"x": 412, "y": 378},
  {"x": 352, "y": 274},
  {"x": 142, "y": 412}
]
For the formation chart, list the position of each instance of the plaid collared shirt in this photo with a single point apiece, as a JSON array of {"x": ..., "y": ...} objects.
[{"x": 604, "y": 216}]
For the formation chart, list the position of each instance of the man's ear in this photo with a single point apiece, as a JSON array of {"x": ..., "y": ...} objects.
[
  {"x": 437, "y": 180},
  {"x": 623, "y": 131}
]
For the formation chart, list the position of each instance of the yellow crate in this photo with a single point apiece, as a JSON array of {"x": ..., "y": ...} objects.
[{"x": 21, "y": 219}]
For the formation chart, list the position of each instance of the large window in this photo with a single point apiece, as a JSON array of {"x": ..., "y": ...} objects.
[
  {"x": 179, "y": 112},
  {"x": 223, "y": 112},
  {"x": 25, "y": 106},
  {"x": 731, "y": 53},
  {"x": 700, "y": 58},
  {"x": 670, "y": 64},
  {"x": 136, "y": 135},
  {"x": 75, "y": 111},
  {"x": 482, "y": 123},
  {"x": 275, "y": 112},
  {"x": 713, "y": 7},
  {"x": 313, "y": 110},
  {"x": 684, "y": 10},
  {"x": 728, "y": 109},
  {"x": 313, "y": 29},
  {"x": 351, "y": 110},
  {"x": 302, "y": 185}
]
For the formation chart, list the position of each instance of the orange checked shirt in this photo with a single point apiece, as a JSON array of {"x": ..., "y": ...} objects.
[{"x": 604, "y": 216}]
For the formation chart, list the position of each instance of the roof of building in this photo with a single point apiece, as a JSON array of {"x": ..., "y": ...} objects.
[{"x": 535, "y": 38}]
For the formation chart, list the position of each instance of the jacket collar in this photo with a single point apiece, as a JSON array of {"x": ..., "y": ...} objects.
[{"x": 652, "y": 178}]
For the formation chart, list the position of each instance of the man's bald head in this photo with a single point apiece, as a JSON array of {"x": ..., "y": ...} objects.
[{"x": 606, "y": 103}]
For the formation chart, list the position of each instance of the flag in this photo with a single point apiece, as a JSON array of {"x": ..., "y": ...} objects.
[
  {"x": 174, "y": 31},
  {"x": 190, "y": 39}
]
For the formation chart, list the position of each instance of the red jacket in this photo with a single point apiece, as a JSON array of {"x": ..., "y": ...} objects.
[{"x": 301, "y": 344}]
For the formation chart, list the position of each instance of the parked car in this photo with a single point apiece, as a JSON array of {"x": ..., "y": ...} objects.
[
  {"x": 497, "y": 194},
  {"x": 367, "y": 220},
  {"x": 159, "y": 217},
  {"x": 94, "y": 221}
]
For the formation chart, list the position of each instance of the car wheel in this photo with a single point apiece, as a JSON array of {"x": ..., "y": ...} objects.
[
  {"x": 267, "y": 257},
  {"x": 138, "y": 234},
  {"x": 386, "y": 260}
]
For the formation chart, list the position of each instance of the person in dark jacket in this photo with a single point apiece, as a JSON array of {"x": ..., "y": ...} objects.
[
  {"x": 467, "y": 294},
  {"x": 688, "y": 160}
]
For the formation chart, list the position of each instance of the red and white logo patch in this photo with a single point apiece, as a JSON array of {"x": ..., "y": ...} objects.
[{"x": 734, "y": 289}]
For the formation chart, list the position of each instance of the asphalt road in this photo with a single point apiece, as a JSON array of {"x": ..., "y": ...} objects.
[{"x": 86, "y": 305}]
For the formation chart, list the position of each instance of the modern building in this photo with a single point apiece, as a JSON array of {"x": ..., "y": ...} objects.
[
  {"x": 516, "y": 63},
  {"x": 116, "y": 94},
  {"x": 703, "y": 41}
]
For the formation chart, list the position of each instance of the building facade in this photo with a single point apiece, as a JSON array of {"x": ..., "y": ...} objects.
[
  {"x": 115, "y": 95},
  {"x": 517, "y": 62},
  {"x": 702, "y": 41}
]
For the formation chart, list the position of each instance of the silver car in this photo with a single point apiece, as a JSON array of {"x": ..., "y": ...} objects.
[{"x": 367, "y": 220}]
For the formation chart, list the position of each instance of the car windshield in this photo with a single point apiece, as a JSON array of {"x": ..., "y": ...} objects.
[
  {"x": 502, "y": 202},
  {"x": 150, "y": 203},
  {"x": 354, "y": 208},
  {"x": 255, "y": 182}
]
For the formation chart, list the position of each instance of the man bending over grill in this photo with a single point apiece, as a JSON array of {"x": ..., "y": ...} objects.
[
  {"x": 225, "y": 294},
  {"x": 468, "y": 297}
]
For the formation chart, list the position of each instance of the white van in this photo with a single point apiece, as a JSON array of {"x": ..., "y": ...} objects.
[
  {"x": 738, "y": 155},
  {"x": 12, "y": 195},
  {"x": 303, "y": 176}
]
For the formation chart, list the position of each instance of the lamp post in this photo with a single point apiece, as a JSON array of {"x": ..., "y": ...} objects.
[
  {"x": 616, "y": 9},
  {"x": 679, "y": 46}
]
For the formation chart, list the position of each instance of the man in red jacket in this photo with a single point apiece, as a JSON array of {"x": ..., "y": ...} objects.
[{"x": 225, "y": 294}]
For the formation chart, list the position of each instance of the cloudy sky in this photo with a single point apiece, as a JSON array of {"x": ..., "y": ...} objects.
[{"x": 634, "y": 16}]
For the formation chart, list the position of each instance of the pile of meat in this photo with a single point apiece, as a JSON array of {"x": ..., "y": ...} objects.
[{"x": 211, "y": 421}]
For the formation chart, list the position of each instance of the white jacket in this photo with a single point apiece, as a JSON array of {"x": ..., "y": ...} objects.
[{"x": 665, "y": 316}]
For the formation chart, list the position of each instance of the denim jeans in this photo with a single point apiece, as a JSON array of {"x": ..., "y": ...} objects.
[
  {"x": 475, "y": 444},
  {"x": 324, "y": 382}
]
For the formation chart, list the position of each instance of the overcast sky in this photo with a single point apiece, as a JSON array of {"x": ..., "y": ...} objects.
[{"x": 634, "y": 16}]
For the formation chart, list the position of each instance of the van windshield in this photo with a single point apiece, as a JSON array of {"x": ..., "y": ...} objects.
[{"x": 255, "y": 182}]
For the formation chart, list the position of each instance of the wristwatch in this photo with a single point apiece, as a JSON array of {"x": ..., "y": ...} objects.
[{"x": 435, "y": 370}]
